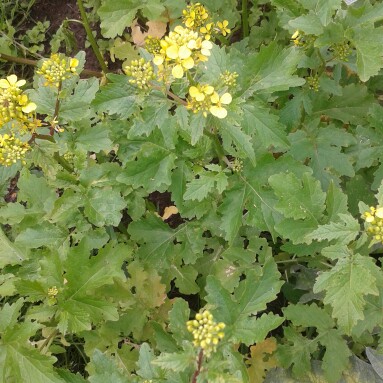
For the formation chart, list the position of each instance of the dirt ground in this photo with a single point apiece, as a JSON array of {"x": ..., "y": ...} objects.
[{"x": 56, "y": 11}]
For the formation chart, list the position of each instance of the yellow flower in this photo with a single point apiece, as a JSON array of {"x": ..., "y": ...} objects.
[
  {"x": 12, "y": 150},
  {"x": 194, "y": 15},
  {"x": 206, "y": 332},
  {"x": 141, "y": 73},
  {"x": 181, "y": 50},
  {"x": 201, "y": 93},
  {"x": 14, "y": 105},
  {"x": 207, "y": 30},
  {"x": 57, "y": 69},
  {"x": 217, "y": 109},
  {"x": 222, "y": 26},
  {"x": 11, "y": 82}
]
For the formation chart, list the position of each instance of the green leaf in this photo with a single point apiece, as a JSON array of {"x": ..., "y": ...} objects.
[
  {"x": 233, "y": 135},
  {"x": 297, "y": 353},
  {"x": 309, "y": 24},
  {"x": 344, "y": 231},
  {"x": 26, "y": 364},
  {"x": 93, "y": 138},
  {"x": 180, "y": 361},
  {"x": 232, "y": 211},
  {"x": 9, "y": 253},
  {"x": 272, "y": 69},
  {"x": 19, "y": 361},
  {"x": 105, "y": 369},
  {"x": 346, "y": 286},
  {"x": 255, "y": 330},
  {"x": 351, "y": 107},
  {"x": 117, "y": 97},
  {"x": 269, "y": 131},
  {"x": 298, "y": 199},
  {"x": 185, "y": 279},
  {"x": 76, "y": 106},
  {"x": 369, "y": 56},
  {"x": 118, "y": 15},
  {"x": 103, "y": 206},
  {"x": 156, "y": 239},
  {"x": 199, "y": 188},
  {"x": 152, "y": 169},
  {"x": 41, "y": 235},
  {"x": 323, "y": 149}
]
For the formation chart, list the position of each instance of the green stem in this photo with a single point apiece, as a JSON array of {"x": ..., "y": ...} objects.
[
  {"x": 91, "y": 38},
  {"x": 24, "y": 61},
  {"x": 217, "y": 146},
  {"x": 245, "y": 19},
  {"x": 65, "y": 164}
]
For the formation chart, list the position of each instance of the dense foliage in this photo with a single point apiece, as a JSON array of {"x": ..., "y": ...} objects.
[{"x": 211, "y": 213}]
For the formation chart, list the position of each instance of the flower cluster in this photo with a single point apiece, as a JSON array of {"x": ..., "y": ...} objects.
[
  {"x": 57, "y": 69},
  {"x": 313, "y": 82},
  {"x": 141, "y": 73},
  {"x": 197, "y": 18},
  {"x": 153, "y": 45},
  {"x": 52, "y": 295},
  {"x": 341, "y": 50},
  {"x": 203, "y": 98},
  {"x": 14, "y": 104},
  {"x": 12, "y": 149},
  {"x": 182, "y": 49},
  {"x": 302, "y": 40},
  {"x": 374, "y": 218},
  {"x": 229, "y": 78},
  {"x": 206, "y": 332},
  {"x": 237, "y": 165}
]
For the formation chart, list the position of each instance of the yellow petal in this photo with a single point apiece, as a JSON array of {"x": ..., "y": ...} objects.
[
  {"x": 200, "y": 97},
  {"x": 158, "y": 60},
  {"x": 218, "y": 111},
  {"x": 379, "y": 212},
  {"x": 214, "y": 98},
  {"x": 188, "y": 63},
  {"x": 23, "y": 99},
  {"x": 4, "y": 84},
  {"x": 73, "y": 63},
  {"x": 177, "y": 71},
  {"x": 295, "y": 35},
  {"x": 226, "y": 98},
  {"x": 192, "y": 44},
  {"x": 12, "y": 79},
  {"x": 184, "y": 52},
  {"x": 172, "y": 52},
  {"x": 29, "y": 107},
  {"x": 179, "y": 29},
  {"x": 193, "y": 91},
  {"x": 207, "y": 44},
  {"x": 20, "y": 83},
  {"x": 205, "y": 52}
]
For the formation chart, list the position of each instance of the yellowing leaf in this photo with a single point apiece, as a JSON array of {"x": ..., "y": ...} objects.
[
  {"x": 261, "y": 360},
  {"x": 169, "y": 211},
  {"x": 155, "y": 29}
]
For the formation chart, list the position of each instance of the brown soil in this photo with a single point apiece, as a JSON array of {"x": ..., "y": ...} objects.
[{"x": 56, "y": 11}]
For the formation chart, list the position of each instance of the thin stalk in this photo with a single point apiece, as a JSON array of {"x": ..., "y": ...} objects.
[
  {"x": 199, "y": 365},
  {"x": 24, "y": 61},
  {"x": 65, "y": 164},
  {"x": 91, "y": 38},
  {"x": 245, "y": 19}
]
